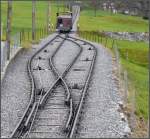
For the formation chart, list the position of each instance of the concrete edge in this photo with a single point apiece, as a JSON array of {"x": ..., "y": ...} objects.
[{"x": 8, "y": 62}]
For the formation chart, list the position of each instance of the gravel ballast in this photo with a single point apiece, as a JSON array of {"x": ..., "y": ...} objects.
[
  {"x": 100, "y": 115},
  {"x": 15, "y": 89}
]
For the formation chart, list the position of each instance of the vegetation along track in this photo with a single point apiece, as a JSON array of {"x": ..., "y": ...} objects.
[{"x": 55, "y": 104}]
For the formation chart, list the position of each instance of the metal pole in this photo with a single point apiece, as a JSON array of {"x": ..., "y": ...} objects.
[
  {"x": 33, "y": 19},
  {"x": 9, "y": 16}
]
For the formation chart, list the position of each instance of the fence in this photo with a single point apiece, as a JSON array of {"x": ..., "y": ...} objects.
[
  {"x": 26, "y": 34},
  {"x": 16, "y": 43},
  {"x": 15, "y": 46},
  {"x": 123, "y": 82}
]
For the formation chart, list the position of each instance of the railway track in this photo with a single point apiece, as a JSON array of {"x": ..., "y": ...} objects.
[{"x": 51, "y": 111}]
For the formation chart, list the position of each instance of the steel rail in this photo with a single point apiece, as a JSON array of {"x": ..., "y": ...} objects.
[
  {"x": 34, "y": 108},
  {"x": 60, "y": 78},
  {"x": 68, "y": 99},
  {"x": 79, "y": 107},
  {"x": 31, "y": 105},
  {"x": 20, "y": 125},
  {"x": 38, "y": 103}
]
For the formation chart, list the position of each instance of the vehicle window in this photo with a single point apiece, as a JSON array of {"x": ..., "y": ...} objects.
[{"x": 60, "y": 21}]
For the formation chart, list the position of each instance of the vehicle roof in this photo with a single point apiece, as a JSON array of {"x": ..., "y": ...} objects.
[{"x": 64, "y": 16}]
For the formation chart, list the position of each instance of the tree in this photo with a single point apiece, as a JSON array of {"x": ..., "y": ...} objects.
[
  {"x": 8, "y": 32},
  {"x": 33, "y": 19}
]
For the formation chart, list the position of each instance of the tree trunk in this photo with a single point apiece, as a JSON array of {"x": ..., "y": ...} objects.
[
  {"x": 33, "y": 19},
  {"x": 8, "y": 32}
]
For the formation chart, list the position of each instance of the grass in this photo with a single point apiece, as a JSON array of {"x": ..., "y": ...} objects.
[
  {"x": 111, "y": 22},
  {"x": 22, "y": 15},
  {"x": 134, "y": 59},
  {"x": 133, "y": 55}
]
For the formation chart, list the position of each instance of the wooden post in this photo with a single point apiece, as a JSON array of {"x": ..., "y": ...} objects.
[
  {"x": 57, "y": 6},
  {"x": 28, "y": 34},
  {"x": 106, "y": 42},
  {"x": 126, "y": 55},
  {"x": 98, "y": 38},
  {"x": 33, "y": 19},
  {"x": 133, "y": 117},
  {"x": 64, "y": 6},
  {"x": 20, "y": 38},
  {"x": 8, "y": 34},
  {"x": 113, "y": 43},
  {"x": 48, "y": 17},
  {"x": 23, "y": 34},
  {"x": 1, "y": 30},
  {"x": 125, "y": 87}
]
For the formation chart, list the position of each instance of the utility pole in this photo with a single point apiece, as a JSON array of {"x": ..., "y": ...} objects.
[
  {"x": 64, "y": 5},
  {"x": 33, "y": 19},
  {"x": 57, "y": 6},
  {"x": 48, "y": 17},
  {"x": 95, "y": 6},
  {"x": 8, "y": 32}
]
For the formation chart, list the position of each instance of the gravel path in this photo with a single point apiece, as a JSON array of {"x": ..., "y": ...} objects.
[
  {"x": 50, "y": 121},
  {"x": 44, "y": 78},
  {"x": 15, "y": 92},
  {"x": 15, "y": 89},
  {"x": 100, "y": 114},
  {"x": 65, "y": 55},
  {"x": 78, "y": 73}
]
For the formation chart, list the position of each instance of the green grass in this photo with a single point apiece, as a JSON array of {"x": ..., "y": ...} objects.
[
  {"x": 111, "y": 22},
  {"x": 134, "y": 59},
  {"x": 133, "y": 55},
  {"x": 22, "y": 15}
]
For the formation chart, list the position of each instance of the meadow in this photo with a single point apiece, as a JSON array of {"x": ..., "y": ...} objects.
[
  {"x": 134, "y": 59},
  {"x": 22, "y": 15},
  {"x": 106, "y": 21},
  {"x": 133, "y": 54}
]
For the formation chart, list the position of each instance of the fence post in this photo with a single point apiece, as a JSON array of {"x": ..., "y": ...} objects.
[
  {"x": 20, "y": 37},
  {"x": 113, "y": 43},
  {"x": 126, "y": 55},
  {"x": 133, "y": 105},
  {"x": 93, "y": 36},
  {"x": 2, "y": 56},
  {"x": 106, "y": 42},
  {"x": 1, "y": 31},
  {"x": 86, "y": 35},
  {"x": 78, "y": 27},
  {"x": 28, "y": 34},
  {"x": 118, "y": 62},
  {"x": 125, "y": 87},
  {"x": 98, "y": 38},
  {"x": 23, "y": 34}
]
